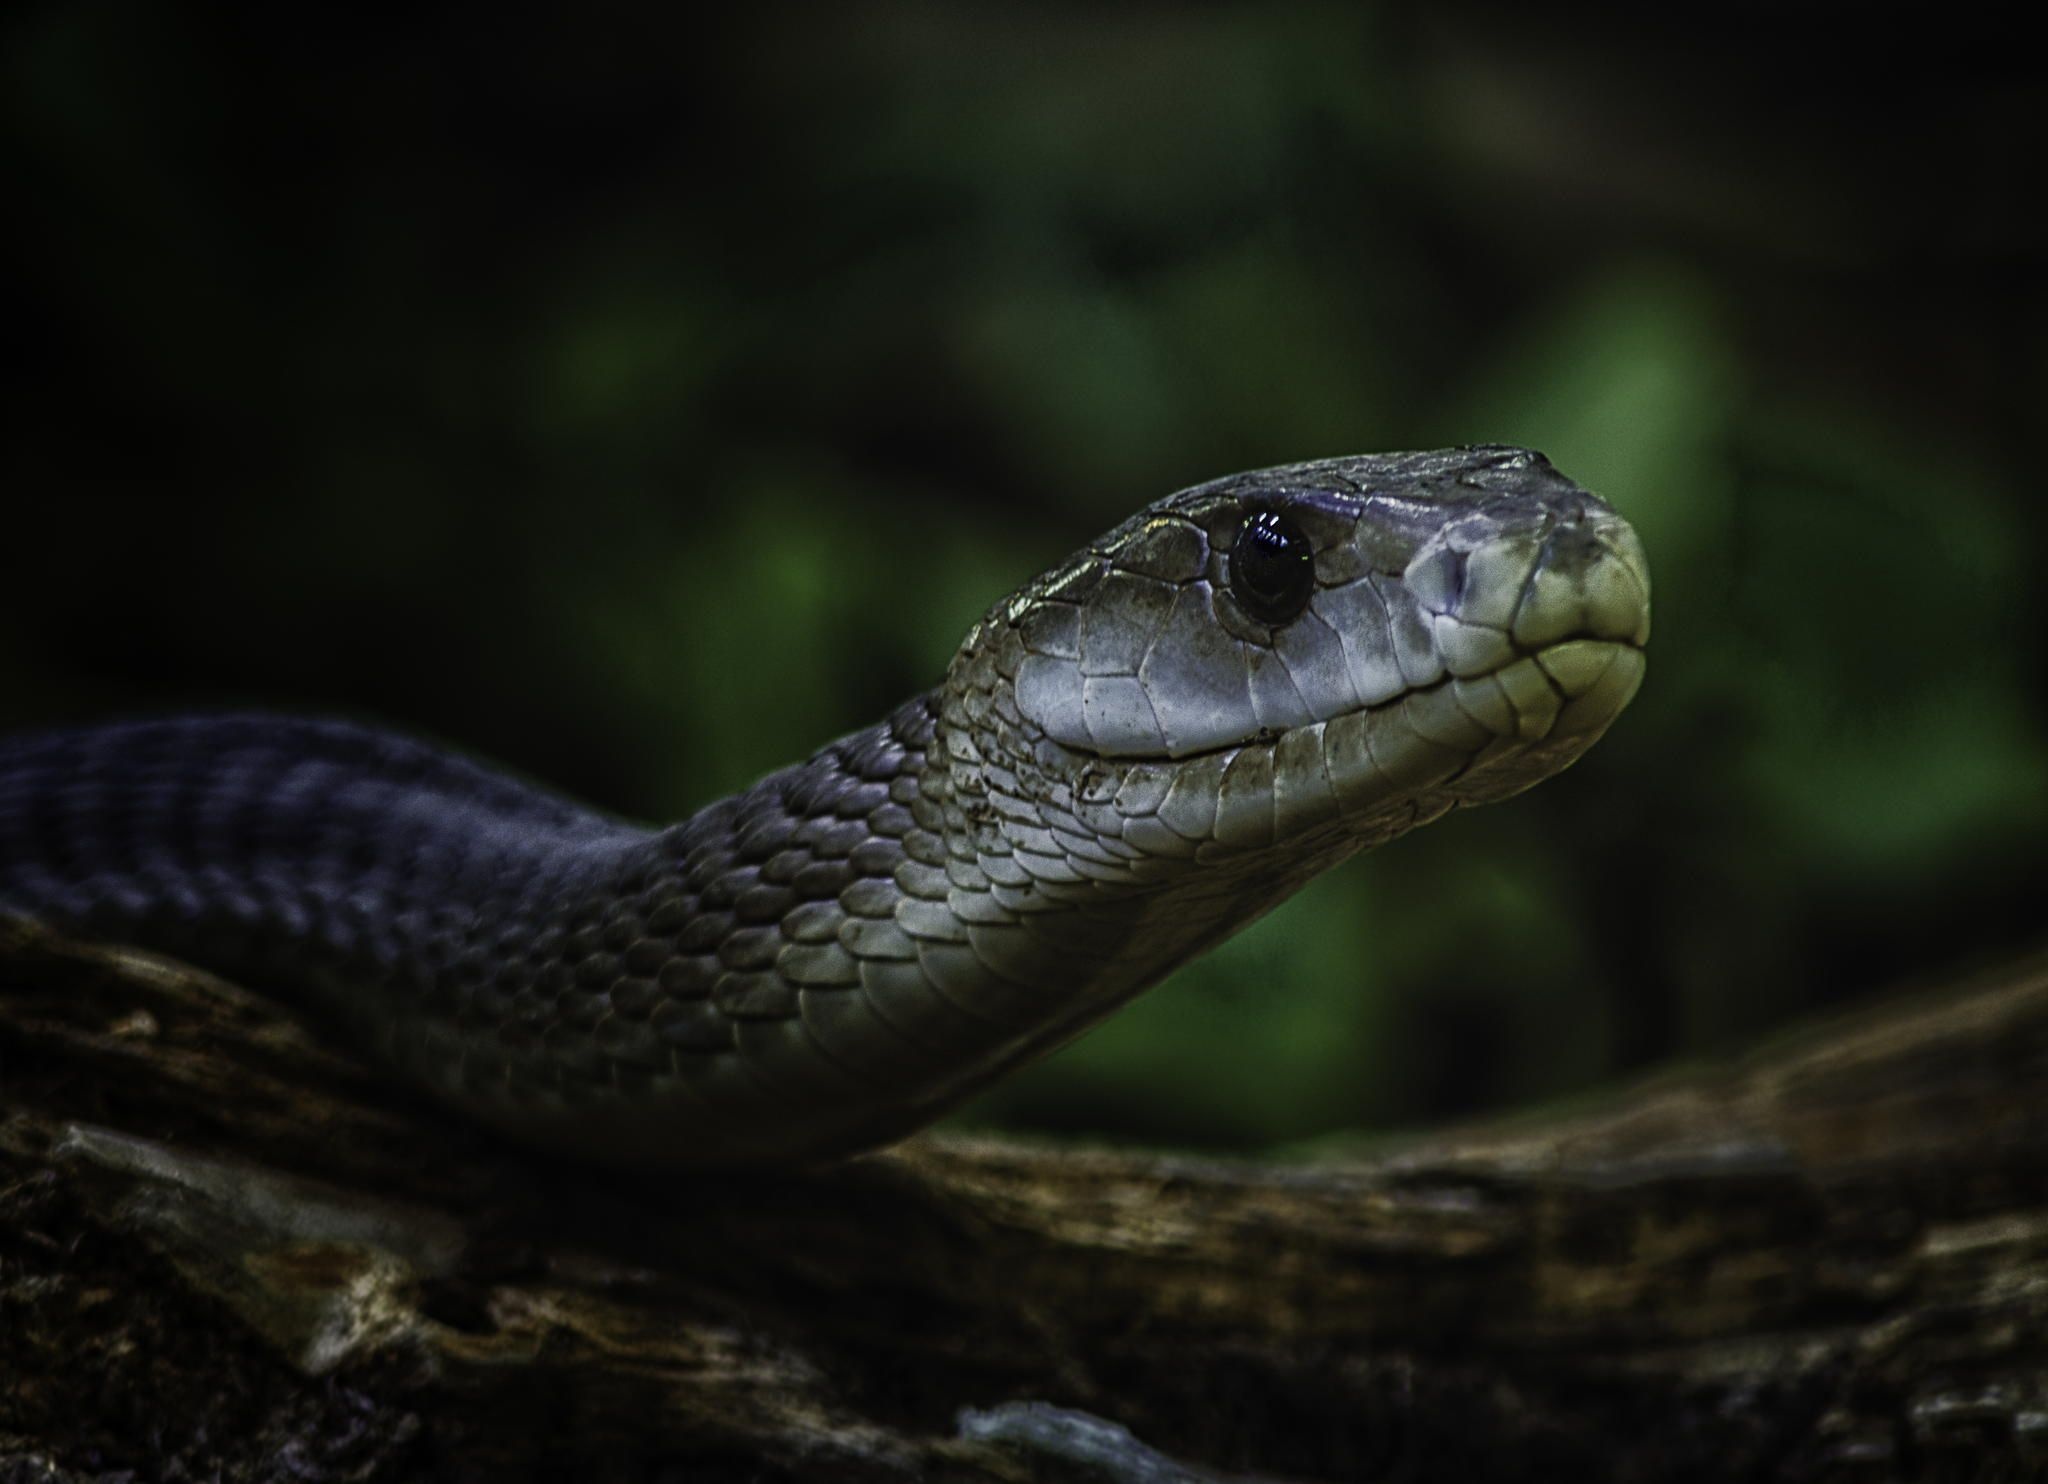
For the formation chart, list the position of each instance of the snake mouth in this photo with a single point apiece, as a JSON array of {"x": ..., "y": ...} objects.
[
  {"x": 1460, "y": 739},
  {"x": 1569, "y": 687}
]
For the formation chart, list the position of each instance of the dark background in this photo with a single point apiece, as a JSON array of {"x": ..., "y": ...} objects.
[{"x": 641, "y": 400}]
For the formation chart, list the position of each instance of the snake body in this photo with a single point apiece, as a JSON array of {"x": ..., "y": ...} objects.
[{"x": 1133, "y": 756}]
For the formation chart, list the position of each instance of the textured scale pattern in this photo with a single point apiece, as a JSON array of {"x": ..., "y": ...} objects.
[{"x": 1122, "y": 767}]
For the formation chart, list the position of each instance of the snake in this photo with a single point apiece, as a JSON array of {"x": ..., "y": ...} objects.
[{"x": 1131, "y": 757}]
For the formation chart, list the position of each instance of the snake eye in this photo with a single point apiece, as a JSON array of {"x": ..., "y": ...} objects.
[{"x": 1272, "y": 567}]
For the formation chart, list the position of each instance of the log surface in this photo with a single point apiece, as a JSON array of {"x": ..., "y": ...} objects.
[{"x": 229, "y": 1252}]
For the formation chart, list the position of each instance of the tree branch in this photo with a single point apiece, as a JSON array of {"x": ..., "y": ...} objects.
[{"x": 227, "y": 1249}]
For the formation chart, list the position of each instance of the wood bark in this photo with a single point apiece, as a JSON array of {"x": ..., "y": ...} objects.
[{"x": 229, "y": 1252}]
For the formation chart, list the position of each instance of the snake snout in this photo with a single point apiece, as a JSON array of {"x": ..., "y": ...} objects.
[{"x": 1589, "y": 582}]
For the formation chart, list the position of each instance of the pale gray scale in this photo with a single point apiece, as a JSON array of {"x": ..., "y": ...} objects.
[
  {"x": 1058, "y": 801},
  {"x": 1022, "y": 901},
  {"x": 1111, "y": 838},
  {"x": 1348, "y": 761},
  {"x": 1004, "y": 654},
  {"x": 1003, "y": 870},
  {"x": 964, "y": 871},
  {"x": 1534, "y": 699},
  {"x": 878, "y": 857},
  {"x": 1469, "y": 649},
  {"x": 1302, "y": 792},
  {"x": 977, "y": 709},
  {"x": 1052, "y": 629},
  {"x": 1357, "y": 615},
  {"x": 1118, "y": 715},
  {"x": 1316, "y": 661},
  {"x": 921, "y": 880},
  {"x": 979, "y": 906},
  {"x": 1414, "y": 644},
  {"x": 1087, "y": 870},
  {"x": 868, "y": 937},
  {"x": 924, "y": 850},
  {"x": 1244, "y": 804},
  {"x": 1121, "y": 623},
  {"x": 1189, "y": 808},
  {"x": 1057, "y": 815},
  {"x": 1016, "y": 807},
  {"x": 886, "y": 821},
  {"x": 1407, "y": 759},
  {"x": 933, "y": 814},
  {"x": 1155, "y": 839},
  {"x": 1048, "y": 870},
  {"x": 1072, "y": 889},
  {"x": 1097, "y": 784},
  {"x": 1393, "y": 528},
  {"x": 1340, "y": 563},
  {"x": 1436, "y": 715},
  {"x": 814, "y": 922},
  {"x": 869, "y": 897},
  {"x": 1277, "y": 701},
  {"x": 1583, "y": 587},
  {"x": 929, "y": 921},
  {"x": 1163, "y": 547},
  {"x": 1143, "y": 789},
  {"x": 1486, "y": 703},
  {"x": 1199, "y": 683},
  {"x": 1496, "y": 572},
  {"x": 1035, "y": 838},
  {"x": 1077, "y": 845},
  {"x": 818, "y": 966}
]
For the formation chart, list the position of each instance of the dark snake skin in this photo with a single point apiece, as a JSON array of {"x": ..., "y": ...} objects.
[{"x": 1124, "y": 765}]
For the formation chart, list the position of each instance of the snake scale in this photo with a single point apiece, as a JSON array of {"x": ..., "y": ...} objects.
[{"x": 1130, "y": 758}]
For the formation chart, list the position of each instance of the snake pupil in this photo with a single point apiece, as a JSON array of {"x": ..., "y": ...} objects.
[{"x": 1272, "y": 567}]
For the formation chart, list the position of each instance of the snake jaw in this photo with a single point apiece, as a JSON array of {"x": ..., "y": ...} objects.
[{"x": 1477, "y": 622}]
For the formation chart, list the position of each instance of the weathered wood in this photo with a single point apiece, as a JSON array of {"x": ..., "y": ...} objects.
[{"x": 226, "y": 1251}]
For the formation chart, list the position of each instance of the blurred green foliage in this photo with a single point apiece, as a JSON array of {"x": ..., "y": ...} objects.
[{"x": 643, "y": 400}]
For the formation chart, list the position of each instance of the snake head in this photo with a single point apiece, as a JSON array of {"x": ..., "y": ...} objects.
[{"x": 1303, "y": 660}]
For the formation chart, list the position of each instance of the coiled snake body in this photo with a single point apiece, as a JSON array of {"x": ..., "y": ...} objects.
[{"x": 1132, "y": 757}]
